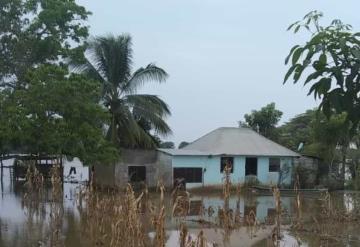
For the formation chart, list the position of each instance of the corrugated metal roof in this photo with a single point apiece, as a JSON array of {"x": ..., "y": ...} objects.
[{"x": 233, "y": 141}]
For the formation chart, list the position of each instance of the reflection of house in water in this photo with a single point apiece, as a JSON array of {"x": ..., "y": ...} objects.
[{"x": 262, "y": 206}]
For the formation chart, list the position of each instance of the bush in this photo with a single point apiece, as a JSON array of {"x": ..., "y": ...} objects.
[{"x": 331, "y": 182}]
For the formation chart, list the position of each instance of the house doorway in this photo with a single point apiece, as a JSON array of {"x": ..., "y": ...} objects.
[
  {"x": 251, "y": 166},
  {"x": 137, "y": 174}
]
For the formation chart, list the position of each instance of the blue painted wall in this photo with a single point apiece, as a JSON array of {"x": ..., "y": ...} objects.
[{"x": 213, "y": 176}]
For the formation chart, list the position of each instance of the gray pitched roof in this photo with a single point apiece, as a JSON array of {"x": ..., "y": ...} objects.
[{"x": 233, "y": 141}]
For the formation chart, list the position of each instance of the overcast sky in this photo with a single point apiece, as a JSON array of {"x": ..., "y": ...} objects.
[{"x": 225, "y": 57}]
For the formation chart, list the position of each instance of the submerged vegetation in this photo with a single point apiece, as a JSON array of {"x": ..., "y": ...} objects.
[{"x": 117, "y": 217}]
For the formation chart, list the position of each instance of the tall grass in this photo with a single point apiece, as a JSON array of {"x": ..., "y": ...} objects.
[{"x": 124, "y": 217}]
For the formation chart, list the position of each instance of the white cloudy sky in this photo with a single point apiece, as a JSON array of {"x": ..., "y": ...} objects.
[{"x": 224, "y": 57}]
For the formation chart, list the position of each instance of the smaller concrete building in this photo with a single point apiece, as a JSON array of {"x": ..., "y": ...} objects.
[
  {"x": 136, "y": 166},
  {"x": 202, "y": 162}
]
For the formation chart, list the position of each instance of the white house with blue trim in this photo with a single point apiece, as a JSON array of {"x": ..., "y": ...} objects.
[{"x": 201, "y": 163}]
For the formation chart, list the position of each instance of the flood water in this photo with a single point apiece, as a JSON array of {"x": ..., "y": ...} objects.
[{"x": 32, "y": 221}]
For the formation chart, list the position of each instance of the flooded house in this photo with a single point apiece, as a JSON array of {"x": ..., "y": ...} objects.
[
  {"x": 202, "y": 162},
  {"x": 249, "y": 154}
]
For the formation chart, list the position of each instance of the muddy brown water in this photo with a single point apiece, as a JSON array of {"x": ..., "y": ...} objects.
[{"x": 30, "y": 223}]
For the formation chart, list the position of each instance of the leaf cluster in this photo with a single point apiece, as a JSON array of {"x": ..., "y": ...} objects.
[
  {"x": 264, "y": 120},
  {"x": 331, "y": 59},
  {"x": 57, "y": 113},
  {"x": 35, "y": 32}
]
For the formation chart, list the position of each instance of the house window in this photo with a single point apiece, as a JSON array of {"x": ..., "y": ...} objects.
[
  {"x": 137, "y": 174},
  {"x": 191, "y": 175},
  {"x": 227, "y": 161},
  {"x": 274, "y": 165}
]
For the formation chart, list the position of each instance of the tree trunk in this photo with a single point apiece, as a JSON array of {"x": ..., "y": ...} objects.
[{"x": 343, "y": 167}]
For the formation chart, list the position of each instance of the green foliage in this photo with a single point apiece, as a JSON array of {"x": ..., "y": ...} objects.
[
  {"x": 330, "y": 60},
  {"x": 136, "y": 119},
  {"x": 56, "y": 113},
  {"x": 35, "y": 32},
  {"x": 297, "y": 130},
  {"x": 265, "y": 120},
  {"x": 170, "y": 145},
  {"x": 183, "y": 144},
  {"x": 319, "y": 135}
]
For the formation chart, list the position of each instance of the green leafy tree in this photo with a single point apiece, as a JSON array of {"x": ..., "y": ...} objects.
[
  {"x": 136, "y": 119},
  {"x": 297, "y": 130},
  {"x": 35, "y": 32},
  {"x": 330, "y": 62},
  {"x": 170, "y": 145},
  {"x": 264, "y": 120},
  {"x": 56, "y": 114},
  {"x": 183, "y": 144}
]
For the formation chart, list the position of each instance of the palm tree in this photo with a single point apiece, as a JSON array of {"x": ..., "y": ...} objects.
[{"x": 136, "y": 119}]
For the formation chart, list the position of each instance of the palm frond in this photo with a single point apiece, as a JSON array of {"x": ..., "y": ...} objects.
[
  {"x": 148, "y": 101},
  {"x": 130, "y": 133},
  {"x": 86, "y": 68},
  {"x": 110, "y": 61},
  {"x": 152, "y": 109},
  {"x": 143, "y": 75}
]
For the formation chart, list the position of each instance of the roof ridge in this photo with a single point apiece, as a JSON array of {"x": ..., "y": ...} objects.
[
  {"x": 273, "y": 142},
  {"x": 234, "y": 139},
  {"x": 186, "y": 147}
]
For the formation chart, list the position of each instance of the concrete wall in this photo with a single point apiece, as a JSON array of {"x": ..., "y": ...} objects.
[
  {"x": 82, "y": 172},
  {"x": 310, "y": 167},
  {"x": 272, "y": 178},
  {"x": 158, "y": 166},
  {"x": 213, "y": 176}
]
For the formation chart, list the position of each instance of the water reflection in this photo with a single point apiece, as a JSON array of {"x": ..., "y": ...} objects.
[{"x": 39, "y": 219}]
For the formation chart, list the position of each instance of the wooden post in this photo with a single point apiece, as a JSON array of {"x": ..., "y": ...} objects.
[{"x": 1, "y": 175}]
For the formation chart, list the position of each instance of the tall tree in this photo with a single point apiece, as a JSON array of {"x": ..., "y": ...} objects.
[
  {"x": 183, "y": 144},
  {"x": 56, "y": 114},
  {"x": 170, "y": 145},
  {"x": 35, "y": 32},
  {"x": 298, "y": 130},
  {"x": 264, "y": 120},
  {"x": 330, "y": 61},
  {"x": 134, "y": 117}
]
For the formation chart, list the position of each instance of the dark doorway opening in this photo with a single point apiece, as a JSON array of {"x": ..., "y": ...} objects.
[
  {"x": 251, "y": 166},
  {"x": 188, "y": 175},
  {"x": 137, "y": 174}
]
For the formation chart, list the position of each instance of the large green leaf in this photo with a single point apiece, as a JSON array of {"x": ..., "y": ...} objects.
[
  {"x": 289, "y": 72},
  {"x": 296, "y": 55},
  {"x": 290, "y": 53}
]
